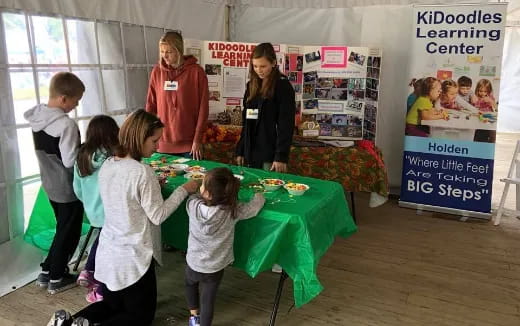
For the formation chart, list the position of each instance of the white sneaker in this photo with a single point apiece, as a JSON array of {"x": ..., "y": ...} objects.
[
  {"x": 59, "y": 318},
  {"x": 276, "y": 269}
]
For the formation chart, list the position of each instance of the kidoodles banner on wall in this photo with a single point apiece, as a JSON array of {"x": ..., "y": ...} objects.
[{"x": 451, "y": 114}]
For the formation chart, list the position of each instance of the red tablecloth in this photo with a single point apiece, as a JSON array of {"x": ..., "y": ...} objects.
[{"x": 357, "y": 168}]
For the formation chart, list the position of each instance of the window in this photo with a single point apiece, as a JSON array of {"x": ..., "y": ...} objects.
[{"x": 112, "y": 59}]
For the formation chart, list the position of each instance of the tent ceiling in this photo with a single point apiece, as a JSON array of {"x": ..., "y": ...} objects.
[
  {"x": 174, "y": 14},
  {"x": 323, "y": 4}
]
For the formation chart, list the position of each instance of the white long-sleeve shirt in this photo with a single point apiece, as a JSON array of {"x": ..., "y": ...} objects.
[{"x": 134, "y": 210}]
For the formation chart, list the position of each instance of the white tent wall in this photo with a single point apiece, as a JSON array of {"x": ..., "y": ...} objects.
[
  {"x": 509, "y": 101},
  {"x": 385, "y": 24},
  {"x": 198, "y": 19}
]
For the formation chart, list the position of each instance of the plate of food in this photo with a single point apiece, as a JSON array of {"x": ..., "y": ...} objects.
[
  {"x": 178, "y": 168},
  {"x": 271, "y": 184},
  {"x": 195, "y": 168},
  {"x": 296, "y": 189},
  {"x": 194, "y": 176}
]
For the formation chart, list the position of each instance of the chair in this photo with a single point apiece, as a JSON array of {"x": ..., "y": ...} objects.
[
  {"x": 513, "y": 177},
  {"x": 84, "y": 247}
]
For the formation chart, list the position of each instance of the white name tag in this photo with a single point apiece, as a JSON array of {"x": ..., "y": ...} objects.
[
  {"x": 171, "y": 85},
  {"x": 252, "y": 114},
  {"x": 310, "y": 133}
]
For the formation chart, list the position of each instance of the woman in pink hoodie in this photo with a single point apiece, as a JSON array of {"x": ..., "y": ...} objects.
[{"x": 178, "y": 95}]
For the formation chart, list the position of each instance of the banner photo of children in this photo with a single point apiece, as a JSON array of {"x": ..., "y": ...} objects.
[{"x": 451, "y": 107}]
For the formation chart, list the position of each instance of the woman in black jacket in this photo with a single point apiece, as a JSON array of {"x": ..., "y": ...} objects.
[{"x": 268, "y": 115}]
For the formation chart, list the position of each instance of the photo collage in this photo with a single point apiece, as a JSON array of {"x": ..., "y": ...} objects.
[
  {"x": 293, "y": 70},
  {"x": 340, "y": 88},
  {"x": 372, "y": 95},
  {"x": 341, "y": 95}
]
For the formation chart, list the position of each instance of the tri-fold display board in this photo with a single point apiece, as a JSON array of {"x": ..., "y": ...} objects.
[{"x": 336, "y": 87}]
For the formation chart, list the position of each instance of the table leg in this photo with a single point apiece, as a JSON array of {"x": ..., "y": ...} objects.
[
  {"x": 353, "y": 204},
  {"x": 517, "y": 188},
  {"x": 283, "y": 277}
]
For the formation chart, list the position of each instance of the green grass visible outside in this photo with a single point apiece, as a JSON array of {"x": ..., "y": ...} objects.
[{"x": 28, "y": 93}]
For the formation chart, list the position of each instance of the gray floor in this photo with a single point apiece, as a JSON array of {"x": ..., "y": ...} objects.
[{"x": 399, "y": 269}]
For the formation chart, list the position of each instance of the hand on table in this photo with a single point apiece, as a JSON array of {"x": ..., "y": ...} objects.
[
  {"x": 240, "y": 160},
  {"x": 279, "y": 167},
  {"x": 196, "y": 151}
]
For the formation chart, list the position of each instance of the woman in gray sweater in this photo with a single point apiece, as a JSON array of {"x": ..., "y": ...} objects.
[{"x": 130, "y": 242}]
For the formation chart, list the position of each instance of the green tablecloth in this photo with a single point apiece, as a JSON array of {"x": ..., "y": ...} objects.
[
  {"x": 292, "y": 231},
  {"x": 42, "y": 224}
]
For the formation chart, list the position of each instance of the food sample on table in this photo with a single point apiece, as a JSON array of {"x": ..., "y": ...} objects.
[
  {"x": 195, "y": 175},
  {"x": 195, "y": 168},
  {"x": 296, "y": 189},
  {"x": 271, "y": 184},
  {"x": 178, "y": 168}
]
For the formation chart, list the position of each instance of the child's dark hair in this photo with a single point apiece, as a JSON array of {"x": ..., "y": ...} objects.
[
  {"x": 102, "y": 133},
  {"x": 464, "y": 81},
  {"x": 416, "y": 84},
  {"x": 427, "y": 85},
  {"x": 222, "y": 187}
]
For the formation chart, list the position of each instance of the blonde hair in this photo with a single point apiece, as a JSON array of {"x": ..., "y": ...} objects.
[
  {"x": 447, "y": 84},
  {"x": 484, "y": 83},
  {"x": 66, "y": 84},
  {"x": 135, "y": 130},
  {"x": 174, "y": 40}
]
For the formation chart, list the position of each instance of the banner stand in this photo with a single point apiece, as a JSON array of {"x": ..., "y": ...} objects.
[
  {"x": 446, "y": 210},
  {"x": 451, "y": 109}
]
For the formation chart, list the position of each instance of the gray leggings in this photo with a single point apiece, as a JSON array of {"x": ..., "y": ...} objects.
[{"x": 208, "y": 284}]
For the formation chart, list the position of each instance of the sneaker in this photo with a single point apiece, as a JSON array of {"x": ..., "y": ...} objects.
[
  {"x": 86, "y": 279},
  {"x": 194, "y": 321},
  {"x": 276, "y": 269},
  {"x": 43, "y": 279},
  {"x": 93, "y": 296},
  {"x": 66, "y": 282},
  {"x": 80, "y": 321},
  {"x": 60, "y": 318}
]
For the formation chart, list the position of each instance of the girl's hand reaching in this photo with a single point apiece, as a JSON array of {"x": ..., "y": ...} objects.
[{"x": 191, "y": 186}]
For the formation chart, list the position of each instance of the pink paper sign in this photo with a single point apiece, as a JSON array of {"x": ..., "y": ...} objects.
[{"x": 333, "y": 56}]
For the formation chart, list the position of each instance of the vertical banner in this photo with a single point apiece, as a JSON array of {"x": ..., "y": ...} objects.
[{"x": 452, "y": 108}]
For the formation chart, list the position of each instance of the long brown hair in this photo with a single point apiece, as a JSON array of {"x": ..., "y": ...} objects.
[
  {"x": 102, "y": 134},
  {"x": 222, "y": 187},
  {"x": 427, "y": 85},
  {"x": 135, "y": 130},
  {"x": 265, "y": 87}
]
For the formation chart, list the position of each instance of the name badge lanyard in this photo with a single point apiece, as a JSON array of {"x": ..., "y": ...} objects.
[{"x": 172, "y": 94}]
